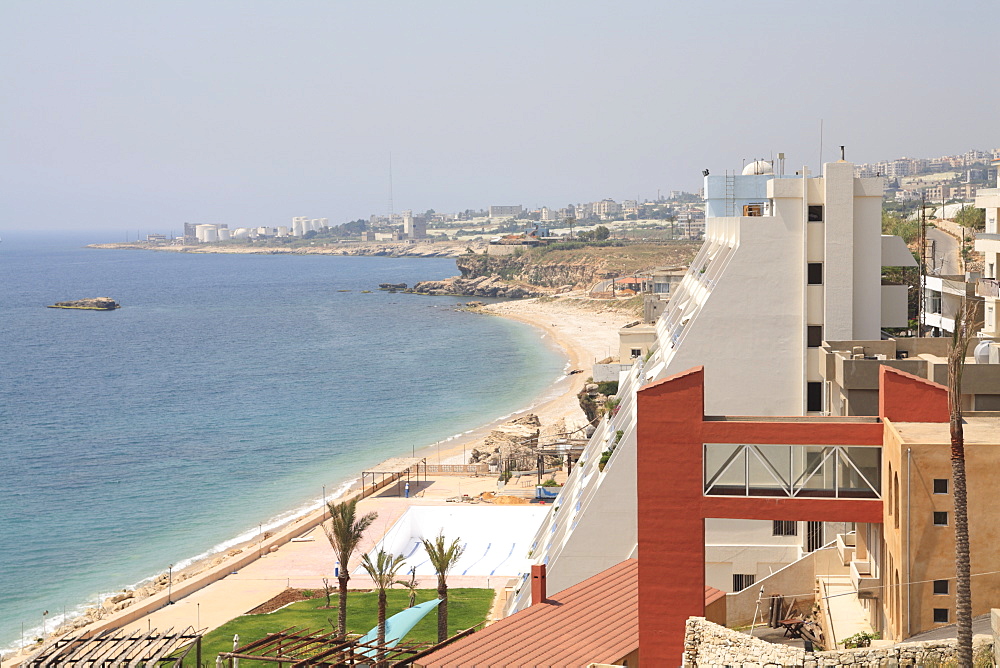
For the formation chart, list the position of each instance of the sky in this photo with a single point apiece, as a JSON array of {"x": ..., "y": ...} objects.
[{"x": 125, "y": 115}]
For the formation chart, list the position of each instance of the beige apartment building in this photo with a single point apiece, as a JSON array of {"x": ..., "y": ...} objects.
[{"x": 918, "y": 586}]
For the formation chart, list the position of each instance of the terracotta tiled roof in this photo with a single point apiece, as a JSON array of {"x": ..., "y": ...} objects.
[
  {"x": 712, "y": 595},
  {"x": 595, "y": 621}
]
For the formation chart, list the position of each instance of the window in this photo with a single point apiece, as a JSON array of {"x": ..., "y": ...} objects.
[
  {"x": 742, "y": 580},
  {"x": 940, "y": 485},
  {"x": 814, "y": 336},
  {"x": 814, "y": 397},
  {"x": 784, "y": 528},
  {"x": 940, "y": 615},
  {"x": 940, "y": 518},
  {"x": 636, "y": 352},
  {"x": 940, "y": 586},
  {"x": 815, "y": 213},
  {"x": 814, "y": 273}
]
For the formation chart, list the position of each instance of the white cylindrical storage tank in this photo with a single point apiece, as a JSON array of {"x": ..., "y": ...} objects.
[
  {"x": 282, "y": 230},
  {"x": 207, "y": 233},
  {"x": 297, "y": 230},
  {"x": 982, "y": 352},
  {"x": 241, "y": 233},
  {"x": 225, "y": 234}
]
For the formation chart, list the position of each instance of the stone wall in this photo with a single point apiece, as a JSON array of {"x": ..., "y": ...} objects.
[{"x": 708, "y": 644}]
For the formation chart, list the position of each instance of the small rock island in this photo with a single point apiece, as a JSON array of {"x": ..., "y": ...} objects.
[{"x": 94, "y": 304}]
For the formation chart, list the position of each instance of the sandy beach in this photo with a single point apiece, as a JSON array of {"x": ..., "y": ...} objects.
[{"x": 207, "y": 594}]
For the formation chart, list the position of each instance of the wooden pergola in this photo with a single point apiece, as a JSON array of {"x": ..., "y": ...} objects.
[
  {"x": 302, "y": 647},
  {"x": 395, "y": 468},
  {"x": 114, "y": 648}
]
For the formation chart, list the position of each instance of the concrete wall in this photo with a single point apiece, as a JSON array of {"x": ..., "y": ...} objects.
[{"x": 795, "y": 578}]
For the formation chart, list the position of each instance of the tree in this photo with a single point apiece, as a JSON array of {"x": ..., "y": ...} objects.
[
  {"x": 443, "y": 559},
  {"x": 383, "y": 572},
  {"x": 410, "y": 585},
  {"x": 344, "y": 533},
  {"x": 896, "y": 225},
  {"x": 601, "y": 233},
  {"x": 971, "y": 217},
  {"x": 963, "y": 579},
  {"x": 571, "y": 222}
]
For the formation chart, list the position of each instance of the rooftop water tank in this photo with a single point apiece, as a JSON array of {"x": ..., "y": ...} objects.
[
  {"x": 982, "y": 352},
  {"x": 758, "y": 167}
]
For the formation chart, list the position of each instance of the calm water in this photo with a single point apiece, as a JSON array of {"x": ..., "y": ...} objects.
[{"x": 225, "y": 393}]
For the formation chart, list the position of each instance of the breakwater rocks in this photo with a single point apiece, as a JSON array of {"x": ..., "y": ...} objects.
[{"x": 483, "y": 286}]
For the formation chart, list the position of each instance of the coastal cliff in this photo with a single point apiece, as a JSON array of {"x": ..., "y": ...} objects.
[
  {"x": 578, "y": 267},
  {"x": 551, "y": 270}
]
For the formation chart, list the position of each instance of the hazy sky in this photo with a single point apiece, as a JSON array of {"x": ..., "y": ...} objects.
[{"x": 146, "y": 114}]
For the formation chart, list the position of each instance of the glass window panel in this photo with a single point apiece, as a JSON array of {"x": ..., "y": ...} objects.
[
  {"x": 817, "y": 478},
  {"x": 762, "y": 478},
  {"x": 867, "y": 463},
  {"x": 780, "y": 459},
  {"x": 733, "y": 480}
]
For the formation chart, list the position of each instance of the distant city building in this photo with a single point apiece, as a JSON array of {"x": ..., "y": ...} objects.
[
  {"x": 506, "y": 211},
  {"x": 414, "y": 227}
]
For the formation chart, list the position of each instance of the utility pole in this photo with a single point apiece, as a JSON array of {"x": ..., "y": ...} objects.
[{"x": 922, "y": 266}]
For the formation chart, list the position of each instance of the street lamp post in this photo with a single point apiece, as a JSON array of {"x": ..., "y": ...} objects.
[{"x": 170, "y": 584}]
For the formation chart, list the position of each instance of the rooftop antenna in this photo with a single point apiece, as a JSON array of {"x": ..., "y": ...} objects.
[
  {"x": 391, "y": 211},
  {"x": 842, "y": 153},
  {"x": 821, "y": 146}
]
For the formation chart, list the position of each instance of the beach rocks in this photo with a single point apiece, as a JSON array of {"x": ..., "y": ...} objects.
[
  {"x": 511, "y": 442},
  {"x": 483, "y": 286}
]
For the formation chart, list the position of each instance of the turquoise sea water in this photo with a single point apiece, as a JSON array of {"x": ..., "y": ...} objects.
[{"x": 224, "y": 394}]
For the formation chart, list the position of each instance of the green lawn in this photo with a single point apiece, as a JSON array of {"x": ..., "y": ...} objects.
[{"x": 466, "y": 608}]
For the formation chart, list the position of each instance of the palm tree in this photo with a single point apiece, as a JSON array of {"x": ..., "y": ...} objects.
[
  {"x": 344, "y": 533},
  {"x": 443, "y": 559},
  {"x": 410, "y": 585},
  {"x": 964, "y": 324},
  {"x": 383, "y": 572}
]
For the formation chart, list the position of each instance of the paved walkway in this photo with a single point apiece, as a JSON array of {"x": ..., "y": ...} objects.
[{"x": 847, "y": 616}]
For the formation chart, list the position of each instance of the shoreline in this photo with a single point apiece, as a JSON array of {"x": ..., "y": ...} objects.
[{"x": 582, "y": 325}]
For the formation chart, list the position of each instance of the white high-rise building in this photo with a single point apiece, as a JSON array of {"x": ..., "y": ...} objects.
[
  {"x": 797, "y": 260},
  {"x": 988, "y": 243}
]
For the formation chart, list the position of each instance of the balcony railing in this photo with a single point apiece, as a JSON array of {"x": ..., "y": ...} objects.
[
  {"x": 798, "y": 471},
  {"x": 988, "y": 287}
]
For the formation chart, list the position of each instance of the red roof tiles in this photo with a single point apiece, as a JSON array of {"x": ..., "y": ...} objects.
[{"x": 595, "y": 621}]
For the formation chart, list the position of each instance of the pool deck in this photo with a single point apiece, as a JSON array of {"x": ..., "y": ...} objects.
[{"x": 304, "y": 562}]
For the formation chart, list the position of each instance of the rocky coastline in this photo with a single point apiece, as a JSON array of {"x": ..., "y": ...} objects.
[{"x": 483, "y": 286}]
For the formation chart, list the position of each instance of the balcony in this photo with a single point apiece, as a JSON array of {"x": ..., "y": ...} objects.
[
  {"x": 988, "y": 287},
  {"x": 846, "y": 547},
  {"x": 864, "y": 583}
]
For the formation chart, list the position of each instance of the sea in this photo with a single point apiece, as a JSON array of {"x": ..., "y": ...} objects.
[{"x": 229, "y": 394}]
